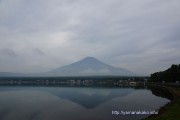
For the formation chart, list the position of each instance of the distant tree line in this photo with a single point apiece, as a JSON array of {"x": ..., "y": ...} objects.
[
  {"x": 100, "y": 78},
  {"x": 172, "y": 74}
]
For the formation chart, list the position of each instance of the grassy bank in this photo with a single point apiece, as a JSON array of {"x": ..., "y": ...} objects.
[{"x": 171, "y": 111}]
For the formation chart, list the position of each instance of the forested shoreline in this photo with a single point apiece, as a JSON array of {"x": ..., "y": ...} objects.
[{"x": 172, "y": 74}]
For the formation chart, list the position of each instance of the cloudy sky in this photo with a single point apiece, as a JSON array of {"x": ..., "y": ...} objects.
[{"x": 142, "y": 36}]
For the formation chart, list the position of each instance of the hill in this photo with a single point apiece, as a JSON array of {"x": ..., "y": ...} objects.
[{"x": 89, "y": 66}]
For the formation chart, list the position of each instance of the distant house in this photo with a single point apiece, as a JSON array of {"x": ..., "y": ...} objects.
[
  {"x": 72, "y": 81},
  {"x": 132, "y": 83}
]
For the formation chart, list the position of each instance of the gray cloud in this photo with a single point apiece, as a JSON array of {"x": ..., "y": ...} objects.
[
  {"x": 8, "y": 52},
  {"x": 141, "y": 36},
  {"x": 40, "y": 52}
]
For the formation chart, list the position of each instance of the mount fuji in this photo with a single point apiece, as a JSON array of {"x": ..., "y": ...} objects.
[{"x": 89, "y": 66}]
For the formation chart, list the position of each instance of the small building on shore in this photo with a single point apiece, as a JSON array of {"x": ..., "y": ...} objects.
[{"x": 132, "y": 83}]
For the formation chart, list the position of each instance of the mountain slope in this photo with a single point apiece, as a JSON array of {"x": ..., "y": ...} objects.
[
  {"x": 10, "y": 74},
  {"x": 89, "y": 66}
]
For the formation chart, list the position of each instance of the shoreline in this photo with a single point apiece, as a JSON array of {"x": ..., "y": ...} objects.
[{"x": 171, "y": 111}]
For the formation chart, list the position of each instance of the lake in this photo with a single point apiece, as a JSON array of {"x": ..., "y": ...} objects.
[{"x": 78, "y": 103}]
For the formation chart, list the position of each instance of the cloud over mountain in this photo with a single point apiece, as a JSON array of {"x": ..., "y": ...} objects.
[{"x": 140, "y": 35}]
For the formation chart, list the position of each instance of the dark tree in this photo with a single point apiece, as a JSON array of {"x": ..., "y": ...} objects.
[{"x": 172, "y": 74}]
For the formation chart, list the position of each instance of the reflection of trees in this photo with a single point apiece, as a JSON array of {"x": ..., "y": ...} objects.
[
  {"x": 161, "y": 92},
  {"x": 139, "y": 87}
]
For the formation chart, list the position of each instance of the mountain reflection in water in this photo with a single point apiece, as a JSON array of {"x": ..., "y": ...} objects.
[{"x": 48, "y": 103}]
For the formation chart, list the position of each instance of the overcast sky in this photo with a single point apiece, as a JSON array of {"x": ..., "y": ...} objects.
[{"x": 142, "y": 36}]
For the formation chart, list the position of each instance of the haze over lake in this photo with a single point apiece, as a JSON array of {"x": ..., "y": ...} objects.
[{"x": 71, "y": 103}]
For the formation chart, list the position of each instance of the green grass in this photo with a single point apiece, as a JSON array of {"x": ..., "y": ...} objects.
[{"x": 172, "y": 110}]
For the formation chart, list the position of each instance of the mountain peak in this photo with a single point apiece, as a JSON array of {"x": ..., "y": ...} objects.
[{"x": 89, "y": 58}]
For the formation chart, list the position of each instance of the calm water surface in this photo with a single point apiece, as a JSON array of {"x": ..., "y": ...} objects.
[{"x": 70, "y": 103}]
